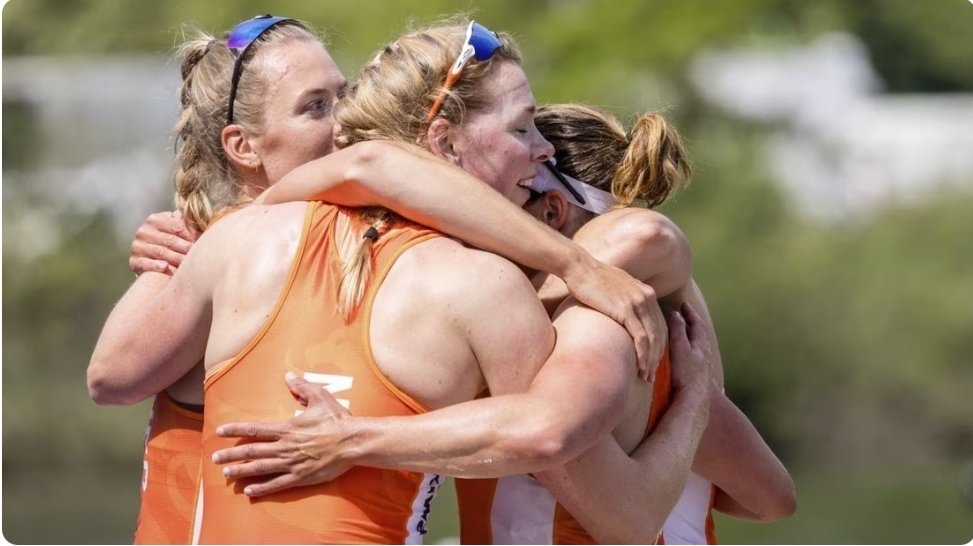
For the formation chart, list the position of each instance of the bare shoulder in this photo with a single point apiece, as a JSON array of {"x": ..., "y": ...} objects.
[
  {"x": 636, "y": 225},
  {"x": 645, "y": 243},
  {"x": 453, "y": 270}
]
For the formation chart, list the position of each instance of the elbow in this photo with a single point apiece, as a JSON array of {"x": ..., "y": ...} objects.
[
  {"x": 362, "y": 156},
  {"x": 544, "y": 446},
  {"x": 785, "y": 503},
  {"x": 104, "y": 389},
  {"x": 781, "y": 505}
]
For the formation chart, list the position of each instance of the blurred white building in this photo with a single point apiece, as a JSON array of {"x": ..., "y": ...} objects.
[
  {"x": 103, "y": 133},
  {"x": 840, "y": 146}
]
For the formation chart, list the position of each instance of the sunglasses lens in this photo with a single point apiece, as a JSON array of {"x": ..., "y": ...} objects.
[
  {"x": 484, "y": 41},
  {"x": 246, "y": 32}
]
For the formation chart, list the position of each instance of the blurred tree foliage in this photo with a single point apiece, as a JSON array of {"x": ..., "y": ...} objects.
[{"x": 846, "y": 343}]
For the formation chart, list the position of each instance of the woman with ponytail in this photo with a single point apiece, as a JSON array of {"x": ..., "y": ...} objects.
[
  {"x": 601, "y": 192},
  {"x": 734, "y": 470}
]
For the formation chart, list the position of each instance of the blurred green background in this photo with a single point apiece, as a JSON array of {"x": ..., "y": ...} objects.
[{"x": 831, "y": 216}]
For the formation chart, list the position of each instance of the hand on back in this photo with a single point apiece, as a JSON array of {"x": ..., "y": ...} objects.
[
  {"x": 161, "y": 243},
  {"x": 691, "y": 353}
]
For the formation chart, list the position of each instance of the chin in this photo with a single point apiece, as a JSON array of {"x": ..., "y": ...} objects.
[{"x": 518, "y": 196}]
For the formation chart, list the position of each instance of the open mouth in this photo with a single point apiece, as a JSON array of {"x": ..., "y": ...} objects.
[{"x": 534, "y": 194}]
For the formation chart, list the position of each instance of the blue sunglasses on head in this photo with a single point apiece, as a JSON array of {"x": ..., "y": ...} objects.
[
  {"x": 481, "y": 43},
  {"x": 238, "y": 41}
]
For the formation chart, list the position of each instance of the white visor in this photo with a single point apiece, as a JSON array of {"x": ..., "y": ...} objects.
[{"x": 594, "y": 200}]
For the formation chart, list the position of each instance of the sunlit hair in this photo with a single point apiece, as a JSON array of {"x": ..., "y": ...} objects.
[
  {"x": 390, "y": 101},
  {"x": 646, "y": 165},
  {"x": 205, "y": 181}
]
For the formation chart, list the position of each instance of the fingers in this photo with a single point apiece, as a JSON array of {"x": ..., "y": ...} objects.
[
  {"x": 157, "y": 253},
  {"x": 253, "y": 431},
  {"x": 170, "y": 223},
  {"x": 678, "y": 342},
  {"x": 141, "y": 265},
  {"x": 151, "y": 236},
  {"x": 694, "y": 323},
  {"x": 260, "y": 467},
  {"x": 280, "y": 483},
  {"x": 636, "y": 328},
  {"x": 654, "y": 327},
  {"x": 313, "y": 394},
  {"x": 163, "y": 237},
  {"x": 304, "y": 389}
]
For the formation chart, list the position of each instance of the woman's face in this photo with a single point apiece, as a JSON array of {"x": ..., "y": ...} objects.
[
  {"x": 303, "y": 83},
  {"x": 499, "y": 143}
]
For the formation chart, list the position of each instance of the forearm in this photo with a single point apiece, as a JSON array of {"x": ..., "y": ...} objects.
[
  {"x": 736, "y": 459},
  {"x": 511, "y": 434},
  {"x": 555, "y": 420},
  {"x": 619, "y": 498},
  {"x": 446, "y": 199}
]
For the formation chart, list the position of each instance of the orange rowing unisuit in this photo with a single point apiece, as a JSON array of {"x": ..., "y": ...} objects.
[
  {"x": 304, "y": 334},
  {"x": 170, "y": 474},
  {"x": 519, "y": 510}
]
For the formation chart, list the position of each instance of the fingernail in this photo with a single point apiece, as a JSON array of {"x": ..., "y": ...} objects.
[
  {"x": 226, "y": 472},
  {"x": 247, "y": 491},
  {"x": 290, "y": 376},
  {"x": 219, "y": 431},
  {"x": 216, "y": 458}
]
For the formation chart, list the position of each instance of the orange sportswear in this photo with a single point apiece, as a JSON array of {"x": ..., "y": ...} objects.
[
  {"x": 170, "y": 474},
  {"x": 519, "y": 510},
  {"x": 305, "y": 334}
]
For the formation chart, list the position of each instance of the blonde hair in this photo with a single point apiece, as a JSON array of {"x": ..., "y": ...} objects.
[
  {"x": 390, "y": 101},
  {"x": 205, "y": 182},
  {"x": 647, "y": 164}
]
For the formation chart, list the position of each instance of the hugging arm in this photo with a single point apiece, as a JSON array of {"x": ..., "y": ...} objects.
[
  {"x": 623, "y": 499},
  {"x": 127, "y": 365},
  {"x": 751, "y": 481},
  {"x": 571, "y": 401},
  {"x": 452, "y": 201}
]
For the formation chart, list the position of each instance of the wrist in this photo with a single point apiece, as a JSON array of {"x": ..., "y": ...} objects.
[
  {"x": 576, "y": 263},
  {"x": 695, "y": 392},
  {"x": 353, "y": 445}
]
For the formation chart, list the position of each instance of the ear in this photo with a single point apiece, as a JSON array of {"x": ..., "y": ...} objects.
[
  {"x": 441, "y": 139},
  {"x": 552, "y": 209},
  {"x": 239, "y": 149}
]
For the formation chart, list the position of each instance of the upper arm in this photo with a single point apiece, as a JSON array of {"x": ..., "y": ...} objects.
[
  {"x": 154, "y": 335},
  {"x": 579, "y": 394},
  {"x": 507, "y": 329}
]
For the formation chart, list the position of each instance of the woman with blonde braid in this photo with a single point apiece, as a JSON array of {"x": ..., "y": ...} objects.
[
  {"x": 245, "y": 99},
  {"x": 121, "y": 335}
]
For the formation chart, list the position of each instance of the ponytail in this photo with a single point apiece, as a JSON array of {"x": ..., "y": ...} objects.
[{"x": 654, "y": 164}]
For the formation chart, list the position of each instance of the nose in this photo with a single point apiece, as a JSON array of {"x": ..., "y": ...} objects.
[{"x": 543, "y": 150}]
